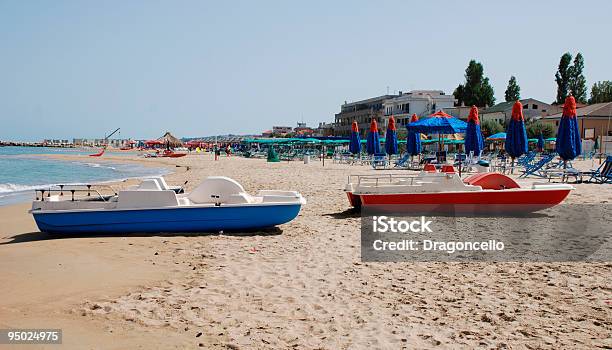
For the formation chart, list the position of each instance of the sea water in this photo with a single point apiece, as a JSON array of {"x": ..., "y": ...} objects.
[{"x": 22, "y": 169}]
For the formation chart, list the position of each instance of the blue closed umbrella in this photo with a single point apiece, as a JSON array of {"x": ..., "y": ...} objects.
[
  {"x": 413, "y": 140},
  {"x": 473, "y": 142},
  {"x": 541, "y": 143},
  {"x": 373, "y": 140},
  {"x": 391, "y": 138},
  {"x": 568, "y": 144},
  {"x": 355, "y": 141},
  {"x": 516, "y": 134}
]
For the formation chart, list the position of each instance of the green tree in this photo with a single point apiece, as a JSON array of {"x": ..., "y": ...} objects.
[
  {"x": 562, "y": 77},
  {"x": 476, "y": 90},
  {"x": 535, "y": 128},
  {"x": 577, "y": 82},
  {"x": 490, "y": 127},
  {"x": 458, "y": 93},
  {"x": 513, "y": 91},
  {"x": 601, "y": 92}
]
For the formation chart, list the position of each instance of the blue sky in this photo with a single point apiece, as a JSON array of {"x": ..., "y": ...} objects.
[{"x": 83, "y": 68}]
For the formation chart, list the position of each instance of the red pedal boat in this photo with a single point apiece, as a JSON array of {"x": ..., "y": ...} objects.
[
  {"x": 99, "y": 154},
  {"x": 172, "y": 154},
  {"x": 483, "y": 193}
]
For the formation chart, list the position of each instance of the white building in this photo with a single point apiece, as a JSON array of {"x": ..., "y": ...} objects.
[{"x": 419, "y": 102}]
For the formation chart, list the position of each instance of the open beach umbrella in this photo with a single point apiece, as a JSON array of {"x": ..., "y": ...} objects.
[
  {"x": 413, "y": 140},
  {"x": 568, "y": 145},
  {"x": 373, "y": 141},
  {"x": 438, "y": 123},
  {"x": 541, "y": 142},
  {"x": 500, "y": 136},
  {"x": 391, "y": 138},
  {"x": 355, "y": 141},
  {"x": 474, "y": 142},
  {"x": 516, "y": 134}
]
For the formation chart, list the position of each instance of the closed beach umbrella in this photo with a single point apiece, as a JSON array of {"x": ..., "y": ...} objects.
[
  {"x": 541, "y": 142},
  {"x": 355, "y": 141},
  {"x": 516, "y": 134},
  {"x": 373, "y": 140},
  {"x": 272, "y": 156},
  {"x": 568, "y": 144},
  {"x": 391, "y": 138},
  {"x": 473, "y": 136},
  {"x": 413, "y": 140}
]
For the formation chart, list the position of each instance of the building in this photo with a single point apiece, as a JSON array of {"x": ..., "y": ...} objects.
[
  {"x": 324, "y": 129},
  {"x": 363, "y": 112},
  {"x": 303, "y": 130},
  {"x": 532, "y": 109},
  {"x": 419, "y": 102},
  {"x": 594, "y": 121},
  {"x": 56, "y": 142},
  {"x": 282, "y": 130},
  {"x": 460, "y": 112}
]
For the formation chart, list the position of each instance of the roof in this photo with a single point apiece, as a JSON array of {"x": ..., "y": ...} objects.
[
  {"x": 594, "y": 110},
  {"x": 504, "y": 106},
  {"x": 369, "y": 100}
]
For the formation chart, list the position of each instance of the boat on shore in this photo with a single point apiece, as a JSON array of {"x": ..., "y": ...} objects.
[
  {"x": 217, "y": 204},
  {"x": 482, "y": 193}
]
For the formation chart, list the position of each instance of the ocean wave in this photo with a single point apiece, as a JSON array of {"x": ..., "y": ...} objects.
[
  {"x": 8, "y": 188},
  {"x": 97, "y": 165}
]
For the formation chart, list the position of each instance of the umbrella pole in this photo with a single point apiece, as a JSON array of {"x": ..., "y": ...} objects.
[{"x": 323, "y": 147}]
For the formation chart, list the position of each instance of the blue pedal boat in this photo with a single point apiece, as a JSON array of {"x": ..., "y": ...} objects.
[{"x": 217, "y": 204}]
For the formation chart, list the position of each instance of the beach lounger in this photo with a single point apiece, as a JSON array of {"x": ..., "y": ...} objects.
[
  {"x": 601, "y": 175},
  {"x": 401, "y": 163},
  {"x": 379, "y": 161},
  {"x": 538, "y": 169}
]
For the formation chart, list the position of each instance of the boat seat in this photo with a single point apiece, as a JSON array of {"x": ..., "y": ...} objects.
[
  {"x": 448, "y": 169},
  {"x": 149, "y": 185},
  {"x": 184, "y": 201},
  {"x": 430, "y": 168},
  {"x": 164, "y": 185},
  {"x": 491, "y": 181},
  {"x": 146, "y": 199},
  {"x": 217, "y": 189}
]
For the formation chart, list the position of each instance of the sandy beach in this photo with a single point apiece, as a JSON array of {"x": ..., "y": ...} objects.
[{"x": 302, "y": 285}]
